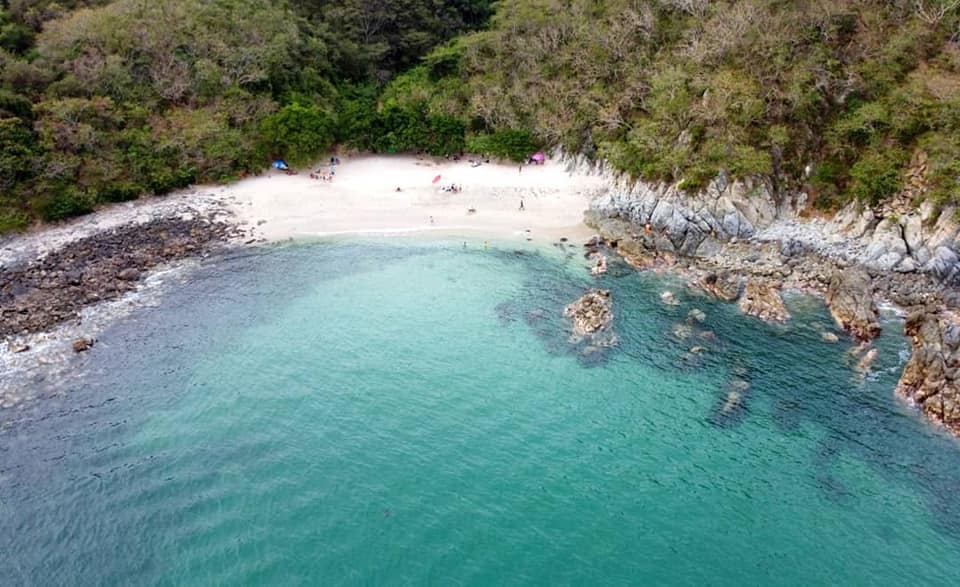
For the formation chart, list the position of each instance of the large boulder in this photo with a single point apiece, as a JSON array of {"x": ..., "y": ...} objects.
[
  {"x": 724, "y": 285},
  {"x": 887, "y": 247},
  {"x": 930, "y": 378},
  {"x": 850, "y": 299},
  {"x": 82, "y": 344},
  {"x": 761, "y": 298},
  {"x": 591, "y": 313}
]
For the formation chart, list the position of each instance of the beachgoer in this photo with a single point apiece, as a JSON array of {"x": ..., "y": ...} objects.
[
  {"x": 521, "y": 206},
  {"x": 398, "y": 189},
  {"x": 431, "y": 220},
  {"x": 521, "y": 169}
]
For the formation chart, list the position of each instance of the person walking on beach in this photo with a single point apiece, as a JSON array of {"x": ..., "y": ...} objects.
[{"x": 521, "y": 206}]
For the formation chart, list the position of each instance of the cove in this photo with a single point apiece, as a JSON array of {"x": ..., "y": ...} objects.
[{"x": 384, "y": 412}]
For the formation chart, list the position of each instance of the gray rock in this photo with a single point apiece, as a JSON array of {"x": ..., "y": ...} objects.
[
  {"x": 913, "y": 232},
  {"x": 908, "y": 265},
  {"x": 129, "y": 274},
  {"x": 943, "y": 263},
  {"x": 850, "y": 299},
  {"x": 887, "y": 261}
]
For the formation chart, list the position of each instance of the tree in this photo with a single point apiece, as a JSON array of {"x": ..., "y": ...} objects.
[{"x": 298, "y": 133}]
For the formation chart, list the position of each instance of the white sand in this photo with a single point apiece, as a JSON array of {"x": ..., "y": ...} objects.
[{"x": 362, "y": 199}]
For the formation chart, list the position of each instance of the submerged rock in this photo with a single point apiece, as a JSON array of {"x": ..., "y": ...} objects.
[
  {"x": 868, "y": 358},
  {"x": 930, "y": 378},
  {"x": 682, "y": 331},
  {"x": 600, "y": 267},
  {"x": 668, "y": 298},
  {"x": 731, "y": 405},
  {"x": 82, "y": 344},
  {"x": 829, "y": 337},
  {"x": 696, "y": 315},
  {"x": 850, "y": 299},
  {"x": 762, "y": 299},
  {"x": 591, "y": 313}
]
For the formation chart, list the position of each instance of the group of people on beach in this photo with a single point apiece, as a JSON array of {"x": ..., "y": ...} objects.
[{"x": 328, "y": 174}]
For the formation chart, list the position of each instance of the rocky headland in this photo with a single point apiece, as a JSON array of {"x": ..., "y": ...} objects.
[{"x": 742, "y": 242}]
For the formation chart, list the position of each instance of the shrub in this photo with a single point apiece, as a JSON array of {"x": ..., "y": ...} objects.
[
  {"x": 64, "y": 203},
  {"x": 876, "y": 175},
  {"x": 12, "y": 219},
  {"x": 120, "y": 191},
  {"x": 516, "y": 145},
  {"x": 298, "y": 133}
]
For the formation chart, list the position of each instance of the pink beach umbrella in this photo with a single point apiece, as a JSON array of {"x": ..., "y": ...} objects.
[
  {"x": 436, "y": 179},
  {"x": 539, "y": 157}
]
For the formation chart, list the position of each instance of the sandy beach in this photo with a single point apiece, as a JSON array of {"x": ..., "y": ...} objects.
[
  {"x": 363, "y": 199},
  {"x": 274, "y": 206}
]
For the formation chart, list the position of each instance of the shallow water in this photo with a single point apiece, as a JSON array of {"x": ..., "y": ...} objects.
[{"x": 409, "y": 413}]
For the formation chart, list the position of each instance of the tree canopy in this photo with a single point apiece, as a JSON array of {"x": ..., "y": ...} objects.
[{"x": 846, "y": 99}]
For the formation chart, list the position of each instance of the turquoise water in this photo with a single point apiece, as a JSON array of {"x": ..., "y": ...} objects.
[{"x": 384, "y": 413}]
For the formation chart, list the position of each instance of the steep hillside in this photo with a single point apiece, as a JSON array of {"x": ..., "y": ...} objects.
[
  {"x": 106, "y": 101},
  {"x": 847, "y": 99}
]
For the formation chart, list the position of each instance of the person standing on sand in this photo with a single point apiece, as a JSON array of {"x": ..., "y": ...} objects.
[
  {"x": 521, "y": 169},
  {"x": 521, "y": 206}
]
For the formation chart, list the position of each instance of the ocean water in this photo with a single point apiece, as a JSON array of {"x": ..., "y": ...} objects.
[{"x": 401, "y": 412}]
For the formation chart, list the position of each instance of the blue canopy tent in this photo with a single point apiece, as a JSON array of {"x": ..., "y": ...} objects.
[{"x": 281, "y": 164}]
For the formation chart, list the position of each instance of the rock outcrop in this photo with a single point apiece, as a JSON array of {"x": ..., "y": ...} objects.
[
  {"x": 591, "y": 313},
  {"x": 930, "y": 378},
  {"x": 902, "y": 239},
  {"x": 724, "y": 285},
  {"x": 676, "y": 222},
  {"x": 660, "y": 219},
  {"x": 762, "y": 299},
  {"x": 905, "y": 250},
  {"x": 850, "y": 299}
]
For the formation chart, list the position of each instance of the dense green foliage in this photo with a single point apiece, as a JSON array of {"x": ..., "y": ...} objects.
[
  {"x": 106, "y": 100},
  {"x": 103, "y": 101},
  {"x": 836, "y": 97}
]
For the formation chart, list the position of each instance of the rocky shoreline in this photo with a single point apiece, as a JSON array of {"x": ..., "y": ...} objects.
[
  {"x": 104, "y": 266},
  {"x": 61, "y": 285},
  {"x": 740, "y": 243},
  {"x": 735, "y": 241}
]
